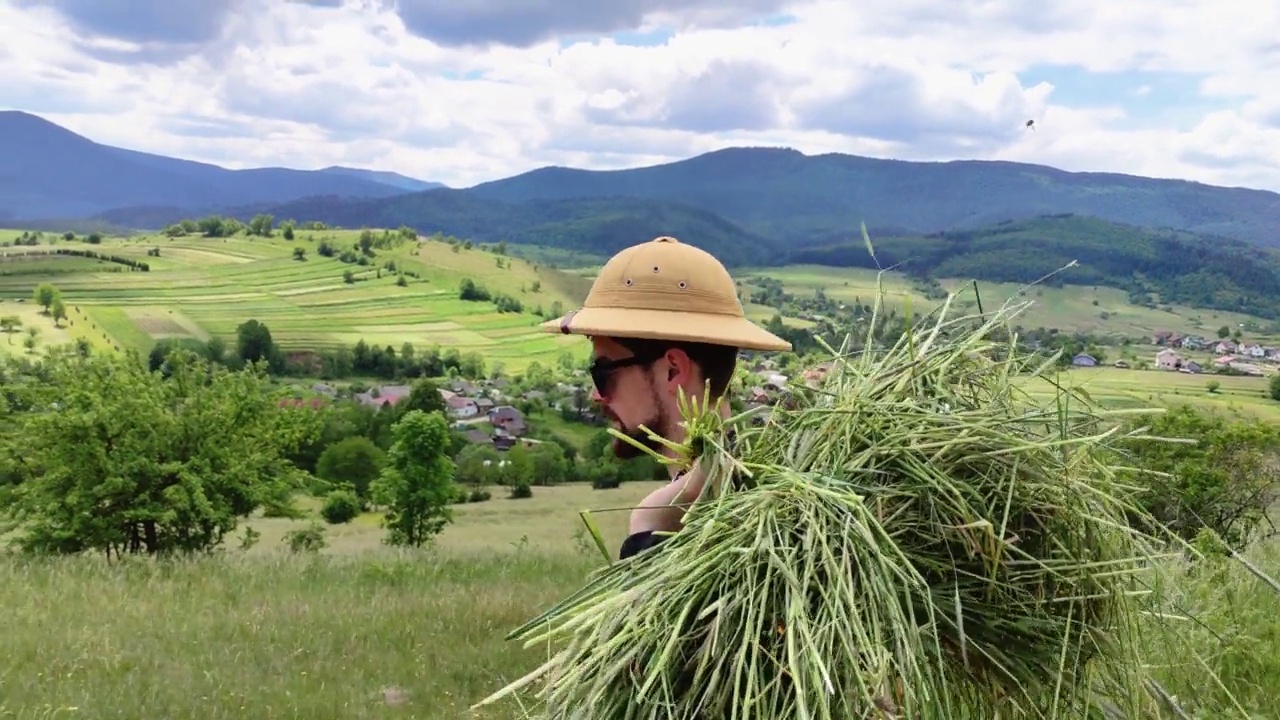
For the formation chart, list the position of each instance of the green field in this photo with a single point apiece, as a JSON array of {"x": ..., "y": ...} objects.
[
  {"x": 1132, "y": 389},
  {"x": 1069, "y": 308},
  {"x": 205, "y": 287},
  {"x": 362, "y": 631}
]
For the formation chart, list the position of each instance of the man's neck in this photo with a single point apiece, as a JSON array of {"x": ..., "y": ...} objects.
[{"x": 678, "y": 434}]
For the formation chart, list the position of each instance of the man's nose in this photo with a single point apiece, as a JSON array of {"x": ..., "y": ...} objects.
[{"x": 595, "y": 395}]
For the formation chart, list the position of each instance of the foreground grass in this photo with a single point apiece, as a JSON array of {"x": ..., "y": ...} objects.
[{"x": 362, "y": 631}]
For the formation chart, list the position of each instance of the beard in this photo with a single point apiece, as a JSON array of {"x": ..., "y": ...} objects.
[
  {"x": 626, "y": 451},
  {"x": 657, "y": 422}
]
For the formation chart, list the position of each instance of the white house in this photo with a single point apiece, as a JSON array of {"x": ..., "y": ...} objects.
[
  {"x": 1167, "y": 359},
  {"x": 462, "y": 407}
]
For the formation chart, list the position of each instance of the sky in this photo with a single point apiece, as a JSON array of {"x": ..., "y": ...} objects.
[{"x": 463, "y": 92}]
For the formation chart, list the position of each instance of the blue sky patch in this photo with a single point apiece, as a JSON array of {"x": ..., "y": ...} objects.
[{"x": 1148, "y": 97}]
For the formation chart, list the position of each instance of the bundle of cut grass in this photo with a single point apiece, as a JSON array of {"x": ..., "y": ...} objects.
[{"x": 913, "y": 538}]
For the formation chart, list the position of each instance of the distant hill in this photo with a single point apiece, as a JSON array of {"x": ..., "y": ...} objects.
[
  {"x": 49, "y": 172},
  {"x": 403, "y": 182},
  {"x": 1154, "y": 267},
  {"x": 797, "y": 198}
]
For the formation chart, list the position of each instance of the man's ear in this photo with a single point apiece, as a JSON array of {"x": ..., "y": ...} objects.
[{"x": 680, "y": 369}]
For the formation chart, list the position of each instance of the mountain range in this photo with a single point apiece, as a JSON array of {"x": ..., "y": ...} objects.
[
  {"x": 49, "y": 172},
  {"x": 749, "y": 206},
  {"x": 775, "y": 196}
]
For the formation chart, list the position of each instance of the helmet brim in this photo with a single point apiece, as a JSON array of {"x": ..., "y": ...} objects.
[{"x": 712, "y": 328}]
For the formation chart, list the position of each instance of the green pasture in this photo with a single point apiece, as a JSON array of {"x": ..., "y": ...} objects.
[
  {"x": 205, "y": 287},
  {"x": 1071, "y": 307},
  {"x": 1133, "y": 389}
]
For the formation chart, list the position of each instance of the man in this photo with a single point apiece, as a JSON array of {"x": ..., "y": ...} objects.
[{"x": 661, "y": 316}]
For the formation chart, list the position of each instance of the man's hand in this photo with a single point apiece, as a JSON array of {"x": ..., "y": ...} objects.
[{"x": 662, "y": 509}]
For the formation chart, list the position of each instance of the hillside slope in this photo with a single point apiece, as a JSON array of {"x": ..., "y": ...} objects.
[
  {"x": 1152, "y": 266},
  {"x": 823, "y": 198},
  {"x": 590, "y": 225},
  {"x": 47, "y": 171}
]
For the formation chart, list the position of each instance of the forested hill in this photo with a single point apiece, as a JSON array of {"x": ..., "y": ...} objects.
[
  {"x": 811, "y": 199},
  {"x": 1153, "y": 266}
]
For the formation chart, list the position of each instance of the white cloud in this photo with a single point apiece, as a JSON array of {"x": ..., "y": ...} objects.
[{"x": 309, "y": 84}]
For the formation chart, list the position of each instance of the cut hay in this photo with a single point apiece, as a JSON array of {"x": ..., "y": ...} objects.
[{"x": 914, "y": 537}]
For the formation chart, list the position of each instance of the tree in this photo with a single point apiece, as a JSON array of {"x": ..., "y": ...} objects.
[
  {"x": 58, "y": 310},
  {"x": 355, "y": 460},
  {"x": 478, "y": 464},
  {"x": 254, "y": 342},
  {"x": 1224, "y": 332},
  {"x": 417, "y": 484},
  {"x": 261, "y": 225},
  {"x": 518, "y": 470},
  {"x": 425, "y": 396},
  {"x": 132, "y": 462},
  {"x": 45, "y": 294},
  {"x": 550, "y": 467},
  {"x": 9, "y": 324}
]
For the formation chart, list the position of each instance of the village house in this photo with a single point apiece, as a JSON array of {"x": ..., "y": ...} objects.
[
  {"x": 1167, "y": 359},
  {"x": 314, "y": 403},
  {"x": 384, "y": 395},
  {"x": 1224, "y": 347},
  {"x": 507, "y": 420},
  {"x": 462, "y": 408},
  {"x": 478, "y": 437},
  {"x": 1191, "y": 366},
  {"x": 462, "y": 387}
]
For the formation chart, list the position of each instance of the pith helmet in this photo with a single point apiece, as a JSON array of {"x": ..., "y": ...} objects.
[{"x": 666, "y": 290}]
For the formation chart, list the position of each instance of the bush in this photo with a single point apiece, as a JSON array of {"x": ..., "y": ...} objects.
[
  {"x": 306, "y": 540},
  {"x": 521, "y": 491},
  {"x": 1224, "y": 481},
  {"x": 341, "y": 506},
  {"x": 479, "y": 495},
  {"x": 606, "y": 482}
]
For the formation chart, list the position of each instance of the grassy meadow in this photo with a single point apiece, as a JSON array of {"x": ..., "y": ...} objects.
[
  {"x": 1126, "y": 388},
  {"x": 359, "y": 630},
  {"x": 203, "y": 287},
  {"x": 1070, "y": 308}
]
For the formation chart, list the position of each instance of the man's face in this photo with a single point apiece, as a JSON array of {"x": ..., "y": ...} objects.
[{"x": 635, "y": 395}]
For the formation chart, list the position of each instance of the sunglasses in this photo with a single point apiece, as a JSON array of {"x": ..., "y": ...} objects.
[{"x": 602, "y": 369}]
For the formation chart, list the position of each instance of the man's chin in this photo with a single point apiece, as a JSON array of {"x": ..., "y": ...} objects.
[{"x": 624, "y": 450}]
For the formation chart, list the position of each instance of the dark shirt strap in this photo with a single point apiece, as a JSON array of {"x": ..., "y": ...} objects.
[{"x": 639, "y": 542}]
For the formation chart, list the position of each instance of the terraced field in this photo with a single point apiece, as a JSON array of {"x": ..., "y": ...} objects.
[{"x": 205, "y": 287}]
